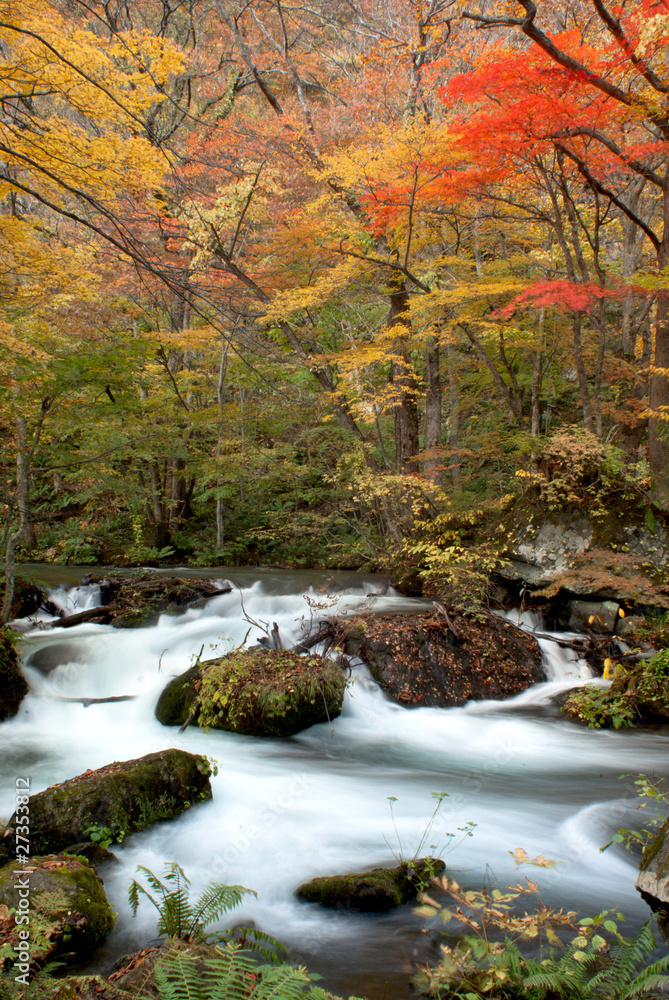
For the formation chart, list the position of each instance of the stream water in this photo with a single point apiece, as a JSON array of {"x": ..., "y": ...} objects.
[{"x": 286, "y": 810}]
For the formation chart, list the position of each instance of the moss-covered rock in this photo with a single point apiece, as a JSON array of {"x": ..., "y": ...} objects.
[
  {"x": 65, "y": 908},
  {"x": 374, "y": 891},
  {"x": 13, "y": 687},
  {"x": 255, "y": 692},
  {"x": 125, "y": 797},
  {"x": 653, "y": 879},
  {"x": 423, "y": 660}
]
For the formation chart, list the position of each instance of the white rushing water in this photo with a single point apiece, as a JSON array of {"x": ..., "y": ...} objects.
[{"x": 286, "y": 810}]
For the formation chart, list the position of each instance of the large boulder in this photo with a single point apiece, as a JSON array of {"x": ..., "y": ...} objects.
[
  {"x": 122, "y": 798},
  {"x": 653, "y": 879},
  {"x": 425, "y": 660},
  {"x": 374, "y": 891},
  {"x": 59, "y": 902},
  {"x": 616, "y": 557},
  {"x": 257, "y": 692},
  {"x": 13, "y": 686}
]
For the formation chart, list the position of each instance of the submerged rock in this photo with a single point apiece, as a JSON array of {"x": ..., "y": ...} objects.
[
  {"x": 13, "y": 686},
  {"x": 423, "y": 660},
  {"x": 68, "y": 911},
  {"x": 123, "y": 797},
  {"x": 374, "y": 891},
  {"x": 653, "y": 879},
  {"x": 257, "y": 692}
]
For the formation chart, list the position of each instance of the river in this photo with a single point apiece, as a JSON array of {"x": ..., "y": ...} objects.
[{"x": 287, "y": 810}]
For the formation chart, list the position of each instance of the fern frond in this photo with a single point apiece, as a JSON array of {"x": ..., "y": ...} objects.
[
  {"x": 280, "y": 983},
  {"x": 216, "y": 899},
  {"x": 265, "y": 945},
  {"x": 652, "y": 977}
]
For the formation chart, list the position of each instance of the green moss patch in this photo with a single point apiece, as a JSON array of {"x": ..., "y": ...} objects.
[
  {"x": 68, "y": 912},
  {"x": 125, "y": 797},
  {"x": 374, "y": 891},
  {"x": 256, "y": 692}
]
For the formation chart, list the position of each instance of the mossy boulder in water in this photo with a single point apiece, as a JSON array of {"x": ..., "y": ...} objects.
[
  {"x": 66, "y": 905},
  {"x": 13, "y": 687},
  {"x": 124, "y": 797},
  {"x": 255, "y": 692},
  {"x": 374, "y": 891},
  {"x": 425, "y": 659}
]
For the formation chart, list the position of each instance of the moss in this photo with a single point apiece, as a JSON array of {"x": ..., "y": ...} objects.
[
  {"x": 256, "y": 692},
  {"x": 178, "y": 698},
  {"x": 657, "y": 850},
  {"x": 13, "y": 686},
  {"x": 374, "y": 891},
  {"x": 69, "y": 912},
  {"x": 125, "y": 796}
]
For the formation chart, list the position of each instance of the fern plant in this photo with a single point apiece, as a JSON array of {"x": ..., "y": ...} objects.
[
  {"x": 587, "y": 973},
  {"x": 179, "y": 918},
  {"x": 229, "y": 974}
]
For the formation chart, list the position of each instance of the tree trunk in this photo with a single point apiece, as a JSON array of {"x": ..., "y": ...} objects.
[
  {"x": 433, "y": 463},
  {"x": 406, "y": 409},
  {"x": 454, "y": 416},
  {"x": 537, "y": 380},
  {"x": 27, "y": 528},
  {"x": 220, "y": 399},
  {"x": 658, "y": 446},
  {"x": 581, "y": 374}
]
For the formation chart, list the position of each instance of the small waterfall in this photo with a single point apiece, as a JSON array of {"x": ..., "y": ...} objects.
[{"x": 70, "y": 600}]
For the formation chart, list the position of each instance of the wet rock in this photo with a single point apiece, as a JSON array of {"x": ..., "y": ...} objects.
[
  {"x": 593, "y": 616},
  {"x": 629, "y": 627},
  {"x": 49, "y": 657},
  {"x": 13, "y": 686},
  {"x": 653, "y": 879},
  {"x": 68, "y": 911},
  {"x": 123, "y": 797},
  {"x": 257, "y": 692},
  {"x": 138, "y": 601},
  {"x": 421, "y": 660},
  {"x": 375, "y": 891}
]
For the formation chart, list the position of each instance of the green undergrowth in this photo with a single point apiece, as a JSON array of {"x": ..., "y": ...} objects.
[{"x": 638, "y": 691}]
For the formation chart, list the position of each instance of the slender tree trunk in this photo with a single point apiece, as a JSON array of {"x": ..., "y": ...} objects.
[
  {"x": 24, "y": 457},
  {"x": 658, "y": 444},
  {"x": 454, "y": 416},
  {"x": 581, "y": 374},
  {"x": 27, "y": 529},
  {"x": 433, "y": 396},
  {"x": 537, "y": 379},
  {"x": 406, "y": 409},
  {"x": 220, "y": 399}
]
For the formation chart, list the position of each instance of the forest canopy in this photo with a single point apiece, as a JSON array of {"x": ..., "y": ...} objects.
[{"x": 320, "y": 283}]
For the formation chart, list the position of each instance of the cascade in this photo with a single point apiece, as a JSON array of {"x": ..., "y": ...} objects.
[{"x": 287, "y": 810}]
